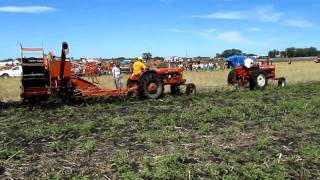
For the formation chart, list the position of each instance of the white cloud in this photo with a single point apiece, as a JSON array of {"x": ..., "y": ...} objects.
[
  {"x": 234, "y": 37},
  {"x": 26, "y": 9},
  {"x": 268, "y": 14},
  {"x": 222, "y": 15},
  {"x": 298, "y": 23},
  {"x": 264, "y": 13},
  {"x": 254, "y": 29}
]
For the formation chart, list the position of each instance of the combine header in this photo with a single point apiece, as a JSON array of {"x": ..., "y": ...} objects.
[{"x": 46, "y": 76}]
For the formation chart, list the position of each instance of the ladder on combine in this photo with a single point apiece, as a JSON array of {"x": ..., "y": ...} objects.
[{"x": 35, "y": 76}]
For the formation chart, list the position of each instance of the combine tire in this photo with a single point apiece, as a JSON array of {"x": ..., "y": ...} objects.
[
  {"x": 191, "y": 89},
  {"x": 175, "y": 89},
  {"x": 150, "y": 86},
  {"x": 232, "y": 79},
  {"x": 58, "y": 98},
  {"x": 281, "y": 82},
  {"x": 258, "y": 79}
]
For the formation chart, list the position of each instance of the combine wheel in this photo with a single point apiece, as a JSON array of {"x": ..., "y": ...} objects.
[
  {"x": 232, "y": 79},
  {"x": 59, "y": 98},
  {"x": 258, "y": 79},
  {"x": 191, "y": 88},
  {"x": 175, "y": 89},
  {"x": 151, "y": 86},
  {"x": 281, "y": 82}
]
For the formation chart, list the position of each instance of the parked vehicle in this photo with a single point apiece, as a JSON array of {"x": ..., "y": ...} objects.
[{"x": 15, "y": 71}]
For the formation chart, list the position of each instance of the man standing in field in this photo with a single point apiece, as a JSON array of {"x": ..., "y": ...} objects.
[{"x": 116, "y": 73}]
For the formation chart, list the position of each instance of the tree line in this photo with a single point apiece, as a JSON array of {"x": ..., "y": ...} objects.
[
  {"x": 289, "y": 52},
  {"x": 294, "y": 52}
]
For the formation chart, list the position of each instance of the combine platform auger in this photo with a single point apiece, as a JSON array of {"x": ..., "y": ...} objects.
[{"x": 47, "y": 76}]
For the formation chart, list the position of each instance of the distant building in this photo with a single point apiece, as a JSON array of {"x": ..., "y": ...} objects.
[{"x": 173, "y": 59}]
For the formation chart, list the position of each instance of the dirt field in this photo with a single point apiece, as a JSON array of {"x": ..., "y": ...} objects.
[
  {"x": 301, "y": 71},
  {"x": 240, "y": 134},
  {"x": 218, "y": 133}
]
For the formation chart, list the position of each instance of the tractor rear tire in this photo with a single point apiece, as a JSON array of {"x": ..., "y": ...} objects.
[
  {"x": 148, "y": 80},
  {"x": 258, "y": 79},
  {"x": 191, "y": 89},
  {"x": 175, "y": 89},
  {"x": 232, "y": 77},
  {"x": 281, "y": 82}
]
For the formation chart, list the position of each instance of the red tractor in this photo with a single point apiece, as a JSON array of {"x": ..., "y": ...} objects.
[
  {"x": 151, "y": 82},
  {"x": 46, "y": 76},
  {"x": 256, "y": 76}
]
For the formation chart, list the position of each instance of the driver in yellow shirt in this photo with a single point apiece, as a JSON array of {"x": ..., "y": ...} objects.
[{"x": 138, "y": 67}]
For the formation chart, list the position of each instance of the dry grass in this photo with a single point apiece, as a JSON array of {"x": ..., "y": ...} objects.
[{"x": 296, "y": 72}]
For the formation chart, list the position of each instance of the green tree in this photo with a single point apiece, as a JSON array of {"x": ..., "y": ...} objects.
[
  {"x": 231, "y": 52},
  {"x": 273, "y": 53},
  {"x": 313, "y": 51},
  {"x": 291, "y": 52},
  {"x": 147, "y": 56}
]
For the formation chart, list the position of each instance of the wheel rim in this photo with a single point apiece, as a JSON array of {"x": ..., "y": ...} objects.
[
  {"x": 261, "y": 80},
  {"x": 152, "y": 88}
]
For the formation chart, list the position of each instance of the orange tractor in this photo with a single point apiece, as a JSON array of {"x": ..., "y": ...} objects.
[{"x": 46, "y": 76}]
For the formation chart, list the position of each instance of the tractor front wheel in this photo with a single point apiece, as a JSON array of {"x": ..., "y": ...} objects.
[
  {"x": 281, "y": 82},
  {"x": 258, "y": 79},
  {"x": 191, "y": 89},
  {"x": 151, "y": 86}
]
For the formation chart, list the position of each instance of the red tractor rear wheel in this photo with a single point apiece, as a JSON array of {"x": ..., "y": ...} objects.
[
  {"x": 258, "y": 79},
  {"x": 150, "y": 86}
]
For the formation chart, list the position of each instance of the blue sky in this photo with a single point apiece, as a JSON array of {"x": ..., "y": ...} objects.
[{"x": 112, "y": 28}]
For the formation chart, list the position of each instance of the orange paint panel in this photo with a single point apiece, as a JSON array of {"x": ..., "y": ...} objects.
[{"x": 55, "y": 69}]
